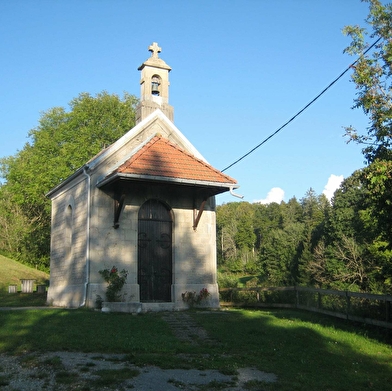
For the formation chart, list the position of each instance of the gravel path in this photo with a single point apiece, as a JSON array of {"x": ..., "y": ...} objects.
[{"x": 81, "y": 371}]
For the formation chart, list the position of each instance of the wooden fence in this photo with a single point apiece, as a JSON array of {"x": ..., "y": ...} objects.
[{"x": 360, "y": 307}]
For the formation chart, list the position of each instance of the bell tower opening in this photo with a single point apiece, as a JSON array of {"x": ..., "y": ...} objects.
[
  {"x": 154, "y": 86},
  {"x": 155, "y": 83}
]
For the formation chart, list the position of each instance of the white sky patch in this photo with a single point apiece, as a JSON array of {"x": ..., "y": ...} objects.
[
  {"x": 276, "y": 194},
  {"x": 333, "y": 183}
]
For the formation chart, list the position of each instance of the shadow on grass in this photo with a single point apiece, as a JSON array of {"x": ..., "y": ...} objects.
[
  {"x": 20, "y": 299},
  {"x": 83, "y": 331},
  {"x": 303, "y": 353}
]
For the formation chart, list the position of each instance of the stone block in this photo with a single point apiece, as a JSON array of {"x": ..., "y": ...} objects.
[
  {"x": 121, "y": 307},
  {"x": 27, "y": 285},
  {"x": 12, "y": 289}
]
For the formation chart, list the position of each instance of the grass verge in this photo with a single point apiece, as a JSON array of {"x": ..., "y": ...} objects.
[
  {"x": 305, "y": 351},
  {"x": 14, "y": 271},
  {"x": 20, "y": 299}
]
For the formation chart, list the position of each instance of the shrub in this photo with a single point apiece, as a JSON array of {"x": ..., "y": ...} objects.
[
  {"x": 115, "y": 280},
  {"x": 193, "y": 298}
]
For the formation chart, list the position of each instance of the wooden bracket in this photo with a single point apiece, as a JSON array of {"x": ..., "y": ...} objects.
[
  {"x": 118, "y": 205},
  {"x": 197, "y": 214}
]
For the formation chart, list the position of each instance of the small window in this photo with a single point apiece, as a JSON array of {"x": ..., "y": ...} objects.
[{"x": 68, "y": 231}]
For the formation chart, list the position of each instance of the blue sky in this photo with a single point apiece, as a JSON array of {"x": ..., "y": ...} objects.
[{"x": 240, "y": 69}]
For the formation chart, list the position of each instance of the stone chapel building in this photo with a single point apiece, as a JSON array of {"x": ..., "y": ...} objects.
[{"x": 145, "y": 204}]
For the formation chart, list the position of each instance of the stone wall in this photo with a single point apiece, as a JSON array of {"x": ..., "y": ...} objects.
[{"x": 68, "y": 245}]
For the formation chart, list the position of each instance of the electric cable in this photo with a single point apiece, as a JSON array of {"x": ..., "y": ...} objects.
[{"x": 304, "y": 108}]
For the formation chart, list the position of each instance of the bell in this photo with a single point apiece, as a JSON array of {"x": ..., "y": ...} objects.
[{"x": 155, "y": 88}]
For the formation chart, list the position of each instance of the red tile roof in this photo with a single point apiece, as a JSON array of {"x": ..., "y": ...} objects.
[{"x": 160, "y": 157}]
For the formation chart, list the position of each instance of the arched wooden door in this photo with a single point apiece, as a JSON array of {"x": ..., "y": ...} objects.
[{"x": 155, "y": 252}]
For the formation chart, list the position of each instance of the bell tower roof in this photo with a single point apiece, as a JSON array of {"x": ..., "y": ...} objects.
[
  {"x": 154, "y": 60},
  {"x": 154, "y": 86}
]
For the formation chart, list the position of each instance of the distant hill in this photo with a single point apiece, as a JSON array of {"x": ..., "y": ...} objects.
[{"x": 12, "y": 272}]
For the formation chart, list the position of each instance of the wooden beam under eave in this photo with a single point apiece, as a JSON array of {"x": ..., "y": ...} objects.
[
  {"x": 196, "y": 218},
  {"x": 118, "y": 205}
]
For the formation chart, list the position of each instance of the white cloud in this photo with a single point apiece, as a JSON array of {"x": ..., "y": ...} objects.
[
  {"x": 276, "y": 194},
  {"x": 333, "y": 183}
]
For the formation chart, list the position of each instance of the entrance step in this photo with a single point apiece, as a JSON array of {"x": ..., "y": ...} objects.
[{"x": 156, "y": 307}]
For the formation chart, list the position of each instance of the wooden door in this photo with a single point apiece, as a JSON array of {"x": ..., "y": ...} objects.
[{"x": 155, "y": 252}]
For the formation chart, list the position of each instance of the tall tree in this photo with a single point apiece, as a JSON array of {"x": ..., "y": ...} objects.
[
  {"x": 372, "y": 76},
  {"x": 62, "y": 142}
]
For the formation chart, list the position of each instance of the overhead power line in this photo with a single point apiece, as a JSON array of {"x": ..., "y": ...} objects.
[{"x": 304, "y": 108}]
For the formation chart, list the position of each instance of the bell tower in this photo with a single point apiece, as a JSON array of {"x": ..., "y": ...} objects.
[{"x": 154, "y": 86}]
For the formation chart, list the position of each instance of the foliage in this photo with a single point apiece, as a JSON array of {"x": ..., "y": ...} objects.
[
  {"x": 372, "y": 76},
  {"x": 193, "y": 298},
  {"x": 378, "y": 182},
  {"x": 343, "y": 245},
  {"x": 115, "y": 280},
  {"x": 52, "y": 154}
]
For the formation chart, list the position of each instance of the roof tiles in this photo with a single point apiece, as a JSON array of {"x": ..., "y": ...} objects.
[{"x": 159, "y": 157}]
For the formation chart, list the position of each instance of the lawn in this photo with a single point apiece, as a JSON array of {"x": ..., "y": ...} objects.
[
  {"x": 20, "y": 299},
  {"x": 13, "y": 272},
  {"x": 305, "y": 351}
]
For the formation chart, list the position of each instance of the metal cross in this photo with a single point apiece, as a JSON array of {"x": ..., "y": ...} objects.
[{"x": 155, "y": 49}]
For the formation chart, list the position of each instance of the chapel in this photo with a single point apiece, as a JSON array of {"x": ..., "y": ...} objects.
[{"x": 145, "y": 204}]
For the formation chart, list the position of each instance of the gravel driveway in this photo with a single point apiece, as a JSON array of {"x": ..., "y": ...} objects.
[{"x": 81, "y": 371}]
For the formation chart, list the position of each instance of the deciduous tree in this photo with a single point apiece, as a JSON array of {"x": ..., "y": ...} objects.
[
  {"x": 372, "y": 75},
  {"x": 62, "y": 142}
]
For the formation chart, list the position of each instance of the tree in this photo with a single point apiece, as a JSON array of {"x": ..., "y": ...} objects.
[
  {"x": 14, "y": 224},
  {"x": 314, "y": 211},
  {"x": 245, "y": 237},
  {"x": 349, "y": 214},
  {"x": 226, "y": 226},
  {"x": 61, "y": 143},
  {"x": 280, "y": 254},
  {"x": 372, "y": 75}
]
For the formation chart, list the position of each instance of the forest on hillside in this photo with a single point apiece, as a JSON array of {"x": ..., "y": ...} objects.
[{"x": 310, "y": 242}]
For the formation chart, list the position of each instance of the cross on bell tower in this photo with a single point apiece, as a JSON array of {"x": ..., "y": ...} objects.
[
  {"x": 154, "y": 86},
  {"x": 154, "y": 49}
]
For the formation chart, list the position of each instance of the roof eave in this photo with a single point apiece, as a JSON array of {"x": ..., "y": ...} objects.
[
  {"x": 67, "y": 180},
  {"x": 178, "y": 181}
]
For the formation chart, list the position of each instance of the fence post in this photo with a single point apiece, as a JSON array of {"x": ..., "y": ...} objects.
[
  {"x": 347, "y": 305},
  {"x": 387, "y": 309},
  {"x": 296, "y": 296},
  {"x": 318, "y": 300}
]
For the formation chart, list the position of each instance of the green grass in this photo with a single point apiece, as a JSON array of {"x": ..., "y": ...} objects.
[
  {"x": 13, "y": 272},
  {"x": 304, "y": 350},
  {"x": 85, "y": 331},
  {"x": 22, "y": 299}
]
